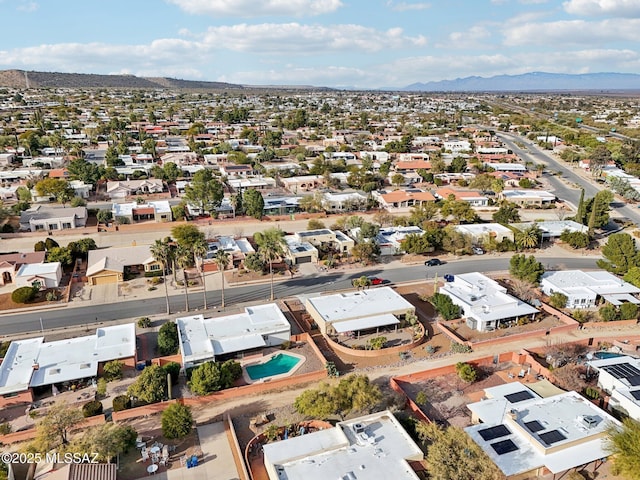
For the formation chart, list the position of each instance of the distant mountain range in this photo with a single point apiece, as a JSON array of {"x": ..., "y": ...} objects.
[
  {"x": 533, "y": 82},
  {"x": 23, "y": 79}
]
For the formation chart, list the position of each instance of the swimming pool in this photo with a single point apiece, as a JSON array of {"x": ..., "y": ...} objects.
[
  {"x": 278, "y": 364},
  {"x": 601, "y": 355}
]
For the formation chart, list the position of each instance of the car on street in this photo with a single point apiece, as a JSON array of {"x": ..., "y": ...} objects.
[
  {"x": 433, "y": 262},
  {"x": 376, "y": 280}
]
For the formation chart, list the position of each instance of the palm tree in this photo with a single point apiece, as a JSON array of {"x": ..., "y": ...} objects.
[
  {"x": 200, "y": 249},
  {"x": 162, "y": 252},
  {"x": 529, "y": 237},
  {"x": 222, "y": 260},
  {"x": 270, "y": 248},
  {"x": 184, "y": 258}
]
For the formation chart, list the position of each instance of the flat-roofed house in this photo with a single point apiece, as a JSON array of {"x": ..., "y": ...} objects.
[
  {"x": 10, "y": 263},
  {"x": 358, "y": 311},
  {"x": 527, "y": 436},
  {"x": 484, "y": 302},
  {"x": 473, "y": 198},
  {"x": 479, "y": 232},
  {"x": 370, "y": 447},
  {"x": 158, "y": 211},
  {"x": 526, "y": 198},
  {"x": 205, "y": 339},
  {"x": 620, "y": 378},
  {"x": 326, "y": 239},
  {"x": 41, "y": 218},
  {"x": 583, "y": 289},
  {"x": 300, "y": 251},
  {"x": 32, "y": 363}
]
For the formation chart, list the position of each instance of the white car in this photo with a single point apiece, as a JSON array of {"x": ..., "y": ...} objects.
[{"x": 477, "y": 251}]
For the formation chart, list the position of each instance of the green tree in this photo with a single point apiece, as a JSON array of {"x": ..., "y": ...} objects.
[
  {"x": 624, "y": 447},
  {"x": 55, "y": 187},
  {"x": 575, "y": 239},
  {"x": 60, "y": 254},
  {"x": 168, "y": 343},
  {"x": 581, "y": 212},
  {"x": 177, "y": 421},
  {"x": 315, "y": 224},
  {"x": 526, "y": 268},
  {"x": 608, "y": 313},
  {"x": 444, "y": 306},
  {"x": 150, "y": 386},
  {"x": 53, "y": 430},
  {"x": 620, "y": 254},
  {"x": 112, "y": 370},
  {"x": 558, "y": 300},
  {"x": 270, "y": 248},
  {"x": 460, "y": 210},
  {"x": 528, "y": 238},
  {"x": 354, "y": 393},
  {"x": 597, "y": 209},
  {"x": 253, "y": 203},
  {"x": 633, "y": 276},
  {"x": 418, "y": 244},
  {"x": 628, "y": 311},
  {"x": 214, "y": 376},
  {"x": 87, "y": 172},
  {"x": 107, "y": 440},
  {"x": 205, "y": 191},
  {"x": 453, "y": 455},
  {"x": 424, "y": 212},
  {"x": 162, "y": 252},
  {"x": 23, "y": 194},
  {"x": 482, "y": 182},
  {"x": 456, "y": 242},
  {"x": 104, "y": 216},
  {"x": 186, "y": 235},
  {"x": 397, "y": 179},
  {"x": 365, "y": 252},
  {"x": 466, "y": 372},
  {"x": 506, "y": 214}
]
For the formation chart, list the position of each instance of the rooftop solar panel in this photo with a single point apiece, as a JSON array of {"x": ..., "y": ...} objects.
[
  {"x": 622, "y": 370},
  {"x": 518, "y": 396},
  {"x": 533, "y": 426},
  {"x": 505, "y": 446},
  {"x": 634, "y": 381},
  {"x": 491, "y": 433},
  {"x": 551, "y": 437},
  {"x": 636, "y": 394}
]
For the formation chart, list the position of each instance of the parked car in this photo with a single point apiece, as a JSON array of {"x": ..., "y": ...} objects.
[
  {"x": 376, "y": 280},
  {"x": 477, "y": 251},
  {"x": 433, "y": 262}
]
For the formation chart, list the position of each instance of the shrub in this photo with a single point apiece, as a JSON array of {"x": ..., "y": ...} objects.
[
  {"x": 286, "y": 345},
  {"x": 466, "y": 372},
  {"x": 608, "y": 313},
  {"x": 177, "y": 421},
  {"x": 421, "y": 397},
  {"x": 39, "y": 246},
  {"x": 592, "y": 393},
  {"x": 173, "y": 369},
  {"x": 155, "y": 273},
  {"x": 52, "y": 296},
  {"x": 92, "y": 408},
  {"x": 144, "y": 322},
  {"x": 444, "y": 306},
  {"x": 377, "y": 343},
  {"x": 24, "y": 294},
  {"x": 558, "y": 300},
  {"x": 168, "y": 339},
  {"x": 50, "y": 243},
  {"x": 112, "y": 370},
  {"x": 460, "y": 347},
  {"x": 121, "y": 402},
  {"x": 5, "y": 428},
  {"x": 101, "y": 389},
  {"x": 628, "y": 311}
]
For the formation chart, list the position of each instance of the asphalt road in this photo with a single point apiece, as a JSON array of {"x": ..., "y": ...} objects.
[{"x": 325, "y": 282}]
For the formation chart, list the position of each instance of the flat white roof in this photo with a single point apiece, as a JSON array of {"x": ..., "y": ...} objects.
[
  {"x": 528, "y": 194},
  {"x": 598, "y": 282},
  {"x": 32, "y": 269},
  {"x": 553, "y": 228},
  {"x": 477, "y": 229},
  {"x": 381, "y": 451},
  {"x": 559, "y": 432},
  {"x": 202, "y": 339},
  {"x": 33, "y": 363},
  {"x": 364, "y": 303},
  {"x": 367, "y": 322},
  {"x": 17, "y": 365}
]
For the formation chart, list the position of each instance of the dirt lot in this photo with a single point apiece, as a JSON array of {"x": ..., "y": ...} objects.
[
  {"x": 475, "y": 336},
  {"x": 41, "y": 300}
]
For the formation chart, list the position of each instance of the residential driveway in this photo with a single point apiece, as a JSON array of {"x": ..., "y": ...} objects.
[{"x": 104, "y": 293}]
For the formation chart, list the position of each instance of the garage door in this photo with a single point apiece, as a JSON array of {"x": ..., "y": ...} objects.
[
  {"x": 104, "y": 279},
  {"x": 300, "y": 260}
]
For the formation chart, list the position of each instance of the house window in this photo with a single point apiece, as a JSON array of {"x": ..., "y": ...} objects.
[
  {"x": 39, "y": 228},
  {"x": 154, "y": 267},
  {"x": 66, "y": 225},
  {"x": 53, "y": 226}
]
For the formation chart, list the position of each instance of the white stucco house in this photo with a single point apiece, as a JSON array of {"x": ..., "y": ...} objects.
[
  {"x": 620, "y": 378},
  {"x": 484, "y": 302},
  {"x": 44, "y": 275},
  {"x": 583, "y": 289}
]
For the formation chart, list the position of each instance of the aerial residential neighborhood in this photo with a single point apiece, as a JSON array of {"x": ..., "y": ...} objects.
[{"x": 299, "y": 284}]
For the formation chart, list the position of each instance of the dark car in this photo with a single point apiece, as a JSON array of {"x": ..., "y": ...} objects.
[{"x": 433, "y": 262}]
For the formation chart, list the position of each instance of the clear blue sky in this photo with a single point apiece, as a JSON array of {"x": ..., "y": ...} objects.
[{"x": 337, "y": 43}]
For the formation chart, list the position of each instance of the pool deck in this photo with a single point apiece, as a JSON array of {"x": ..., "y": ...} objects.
[{"x": 267, "y": 357}]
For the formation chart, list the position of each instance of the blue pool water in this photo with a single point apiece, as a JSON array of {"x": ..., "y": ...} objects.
[
  {"x": 601, "y": 355},
  {"x": 277, "y": 365}
]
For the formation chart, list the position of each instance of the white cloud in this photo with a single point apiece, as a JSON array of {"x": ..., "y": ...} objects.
[
  {"x": 614, "y": 8},
  {"x": 468, "y": 39},
  {"x": 28, "y": 7},
  {"x": 295, "y": 38},
  {"x": 572, "y": 32},
  {"x": 256, "y": 8},
  {"x": 405, "y": 6}
]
